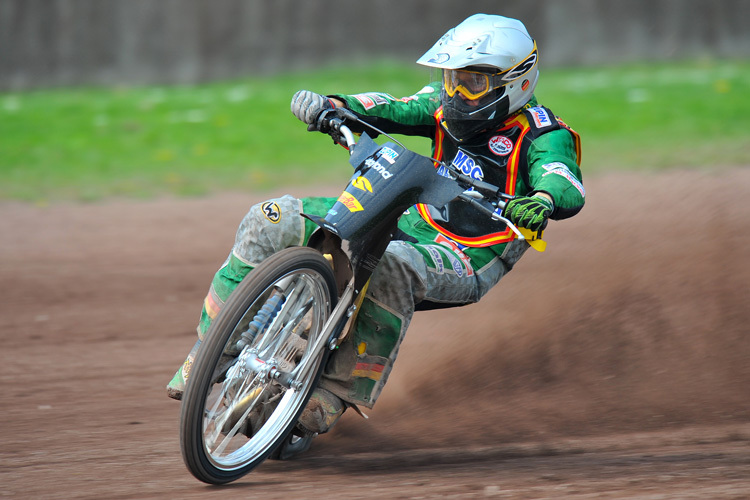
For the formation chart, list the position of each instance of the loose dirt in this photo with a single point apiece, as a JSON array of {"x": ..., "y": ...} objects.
[{"x": 615, "y": 365}]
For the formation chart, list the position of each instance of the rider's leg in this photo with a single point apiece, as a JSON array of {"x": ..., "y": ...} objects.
[
  {"x": 267, "y": 228},
  {"x": 431, "y": 269}
]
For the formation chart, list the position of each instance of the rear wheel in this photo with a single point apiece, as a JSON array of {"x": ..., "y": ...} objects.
[{"x": 256, "y": 369}]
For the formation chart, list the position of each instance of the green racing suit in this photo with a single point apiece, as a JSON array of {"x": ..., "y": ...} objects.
[{"x": 445, "y": 258}]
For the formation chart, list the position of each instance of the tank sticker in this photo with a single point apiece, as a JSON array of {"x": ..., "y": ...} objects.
[
  {"x": 271, "y": 211},
  {"x": 362, "y": 183},
  {"x": 385, "y": 174},
  {"x": 388, "y": 154},
  {"x": 501, "y": 145},
  {"x": 350, "y": 202}
]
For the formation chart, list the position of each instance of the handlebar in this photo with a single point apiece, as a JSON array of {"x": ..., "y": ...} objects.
[{"x": 333, "y": 123}]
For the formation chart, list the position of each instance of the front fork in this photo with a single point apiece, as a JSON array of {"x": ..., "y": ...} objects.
[{"x": 331, "y": 336}]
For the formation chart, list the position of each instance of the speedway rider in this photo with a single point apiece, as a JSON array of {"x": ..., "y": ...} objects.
[{"x": 483, "y": 117}]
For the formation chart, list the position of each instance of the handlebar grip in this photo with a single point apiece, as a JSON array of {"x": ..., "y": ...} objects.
[
  {"x": 333, "y": 119},
  {"x": 333, "y": 122}
]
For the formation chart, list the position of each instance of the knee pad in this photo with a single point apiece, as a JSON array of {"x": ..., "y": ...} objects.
[{"x": 267, "y": 228}]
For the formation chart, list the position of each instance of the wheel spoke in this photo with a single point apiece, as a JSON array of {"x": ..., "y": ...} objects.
[
  {"x": 245, "y": 401},
  {"x": 233, "y": 431},
  {"x": 218, "y": 416}
]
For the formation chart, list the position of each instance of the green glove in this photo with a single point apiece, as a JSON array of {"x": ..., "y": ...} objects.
[{"x": 530, "y": 212}]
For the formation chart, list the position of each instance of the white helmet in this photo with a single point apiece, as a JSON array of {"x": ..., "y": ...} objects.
[{"x": 489, "y": 68}]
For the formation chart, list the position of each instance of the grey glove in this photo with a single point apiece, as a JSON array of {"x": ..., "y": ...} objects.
[{"x": 307, "y": 105}]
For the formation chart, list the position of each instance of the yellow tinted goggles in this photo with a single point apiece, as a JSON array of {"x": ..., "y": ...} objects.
[{"x": 470, "y": 84}]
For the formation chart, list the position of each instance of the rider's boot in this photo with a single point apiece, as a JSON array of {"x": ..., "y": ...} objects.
[
  {"x": 176, "y": 386},
  {"x": 322, "y": 412}
]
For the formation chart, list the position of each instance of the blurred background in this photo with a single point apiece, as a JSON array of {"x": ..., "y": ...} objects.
[
  {"x": 45, "y": 43},
  {"x": 141, "y": 98},
  {"x": 135, "y": 134}
]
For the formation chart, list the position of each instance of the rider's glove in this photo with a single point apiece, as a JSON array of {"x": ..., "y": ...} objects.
[
  {"x": 307, "y": 106},
  {"x": 530, "y": 212}
]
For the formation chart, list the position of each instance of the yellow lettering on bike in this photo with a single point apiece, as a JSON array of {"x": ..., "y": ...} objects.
[
  {"x": 362, "y": 183},
  {"x": 350, "y": 202}
]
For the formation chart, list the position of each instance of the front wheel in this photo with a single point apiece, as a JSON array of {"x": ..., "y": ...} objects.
[{"x": 256, "y": 369}]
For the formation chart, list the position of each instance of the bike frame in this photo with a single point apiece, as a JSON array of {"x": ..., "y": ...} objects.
[{"x": 356, "y": 231}]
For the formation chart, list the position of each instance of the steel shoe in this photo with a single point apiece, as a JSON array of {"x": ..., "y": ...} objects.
[{"x": 322, "y": 412}]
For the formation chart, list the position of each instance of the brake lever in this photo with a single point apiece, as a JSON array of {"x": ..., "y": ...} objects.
[
  {"x": 332, "y": 119},
  {"x": 534, "y": 239}
]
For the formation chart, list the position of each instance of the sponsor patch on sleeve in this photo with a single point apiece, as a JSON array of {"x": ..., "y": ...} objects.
[
  {"x": 371, "y": 99},
  {"x": 540, "y": 116},
  {"x": 554, "y": 165},
  {"x": 566, "y": 173}
]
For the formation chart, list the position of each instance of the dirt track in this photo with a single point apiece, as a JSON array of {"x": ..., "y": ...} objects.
[{"x": 616, "y": 365}]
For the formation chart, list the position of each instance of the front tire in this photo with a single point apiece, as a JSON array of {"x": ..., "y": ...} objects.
[{"x": 255, "y": 372}]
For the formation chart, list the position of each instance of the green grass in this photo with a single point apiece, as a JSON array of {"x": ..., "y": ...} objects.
[
  {"x": 656, "y": 116},
  {"x": 88, "y": 144}
]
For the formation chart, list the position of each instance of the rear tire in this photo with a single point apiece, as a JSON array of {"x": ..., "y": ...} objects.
[{"x": 247, "y": 390}]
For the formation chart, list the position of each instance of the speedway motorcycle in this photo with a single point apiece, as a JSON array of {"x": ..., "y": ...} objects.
[{"x": 266, "y": 350}]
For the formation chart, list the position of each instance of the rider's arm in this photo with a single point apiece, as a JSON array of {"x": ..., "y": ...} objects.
[
  {"x": 411, "y": 115},
  {"x": 553, "y": 170}
]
